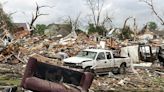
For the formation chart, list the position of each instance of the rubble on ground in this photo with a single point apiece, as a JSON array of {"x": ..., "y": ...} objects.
[
  {"x": 15, "y": 55},
  {"x": 150, "y": 81}
]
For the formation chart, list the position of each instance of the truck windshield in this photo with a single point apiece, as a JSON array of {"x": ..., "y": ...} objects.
[{"x": 87, "y": 54}]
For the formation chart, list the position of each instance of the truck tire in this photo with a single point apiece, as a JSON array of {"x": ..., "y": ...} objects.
[
  {"x": 88, "y": 69},
  {"x": 122, "y": 69},
  {"x": 115, "y": 70}
]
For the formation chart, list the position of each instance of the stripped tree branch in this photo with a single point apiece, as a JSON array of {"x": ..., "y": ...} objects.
[
  {"x": 106, "y": 19},
  {"x": 151, "y": 5},
  {"x": 126, "y": 22},
  {"x": 36, "y": 16},
  {"x": 96, "y": 7}
]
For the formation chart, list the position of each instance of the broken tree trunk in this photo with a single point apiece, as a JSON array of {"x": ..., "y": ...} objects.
[{"x": 35, "y": 17}]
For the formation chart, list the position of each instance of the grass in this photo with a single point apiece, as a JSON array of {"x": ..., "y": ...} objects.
[
  {"x": 5, "y": 81},
  {"x": 159, "y": 81}
]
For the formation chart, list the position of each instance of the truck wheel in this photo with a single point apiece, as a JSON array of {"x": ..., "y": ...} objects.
[
  {"x": 115, "y": 70},
  {"x": 122, "y": 69},
  {"x": 88, "y": 69}
]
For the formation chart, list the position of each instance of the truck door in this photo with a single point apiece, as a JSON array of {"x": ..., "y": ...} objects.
[
  {"x": 101, "y": 62},
  {"x": 110, "y": 61}
]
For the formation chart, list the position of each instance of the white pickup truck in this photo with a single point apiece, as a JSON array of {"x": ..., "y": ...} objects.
[{"x": 98, "y": 61}]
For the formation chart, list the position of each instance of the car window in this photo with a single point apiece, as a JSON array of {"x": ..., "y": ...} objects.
[
  {"x": 108, "y": 55},
  {"x": 101, "y": 56}
]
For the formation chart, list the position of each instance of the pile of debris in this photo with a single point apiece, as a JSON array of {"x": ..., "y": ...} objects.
[
  {"x": 14, "y": 55},
  {"x": 19, "y": 50},
  {"x": 150, "y": 80}
]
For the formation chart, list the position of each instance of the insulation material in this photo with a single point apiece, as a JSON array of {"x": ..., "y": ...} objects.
[
  {"x": 130, "y": 51},
  {"x": 69, "y": 38},
  {"x": 146, "y": 37},
  {"x": 102, "y": 44}
]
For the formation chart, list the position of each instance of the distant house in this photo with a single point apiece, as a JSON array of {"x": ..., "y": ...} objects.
[
  {"x": 21, "y": 30},
  {"x": 154, "y": 33},
  {"x": 159, "y": 34},
  {"x": 22, "y": 26},
  {"x": 58, "y": 30},
  {"x": 145, "y": 35}
]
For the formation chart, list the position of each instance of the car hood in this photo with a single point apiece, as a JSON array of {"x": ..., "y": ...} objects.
[{"x": 76, "y": 59}]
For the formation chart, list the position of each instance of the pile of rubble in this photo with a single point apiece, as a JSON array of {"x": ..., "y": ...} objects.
[
  {"x": 21, "y": 49},
  {"x": 15, "y": 55},
  {"x": 148, "y": 80}
]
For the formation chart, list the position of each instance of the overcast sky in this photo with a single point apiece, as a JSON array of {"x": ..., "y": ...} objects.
[{"x": 119, "y": 10}]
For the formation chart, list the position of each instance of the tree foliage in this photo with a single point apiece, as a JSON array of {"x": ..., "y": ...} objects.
[
  {"x": 79, "y": 31},
  {"x": 99, "y": 20},
  {"x": 40, "y": 28},
  {"x": 96, "y": 29},
  {"x": 126, "y": 33},
  {"x": 152, "y": 25},
  {"x": 35, "y": 16},
  {"x": 5, "y": 21}
]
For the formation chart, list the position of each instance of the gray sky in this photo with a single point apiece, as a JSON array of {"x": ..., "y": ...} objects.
[{"x": 119, "y": 10}]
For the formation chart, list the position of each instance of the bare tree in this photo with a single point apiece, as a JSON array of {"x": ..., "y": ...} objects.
[
  {"x": 74, "y": 22},
  {"x": 151, "y": 5},
  {"x": 135, "y": 29},
  {"x": 126, "y": 31},
  {"x": 6, "y": 26},
  {"x": 12, "y": 13},
  {"x": 96, "y": 9},
  {"x": 100, "y": 21},
  {"x": 106, "y": 19},
  {"x": 5, "y": 20},
  {"x": 125, "y": 22},
  {"x": 36, "y": 16}
]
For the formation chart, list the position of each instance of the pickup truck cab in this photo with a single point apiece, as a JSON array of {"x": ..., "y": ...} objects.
[{"x": 98, "y": 61}]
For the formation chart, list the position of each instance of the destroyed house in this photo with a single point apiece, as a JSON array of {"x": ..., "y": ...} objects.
[
  {"x": 58, "y": 29},
  {"x": 159, "y": 34},
  {"x": 21, "y": 26},
  {"x": 21, "y": 30}
]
